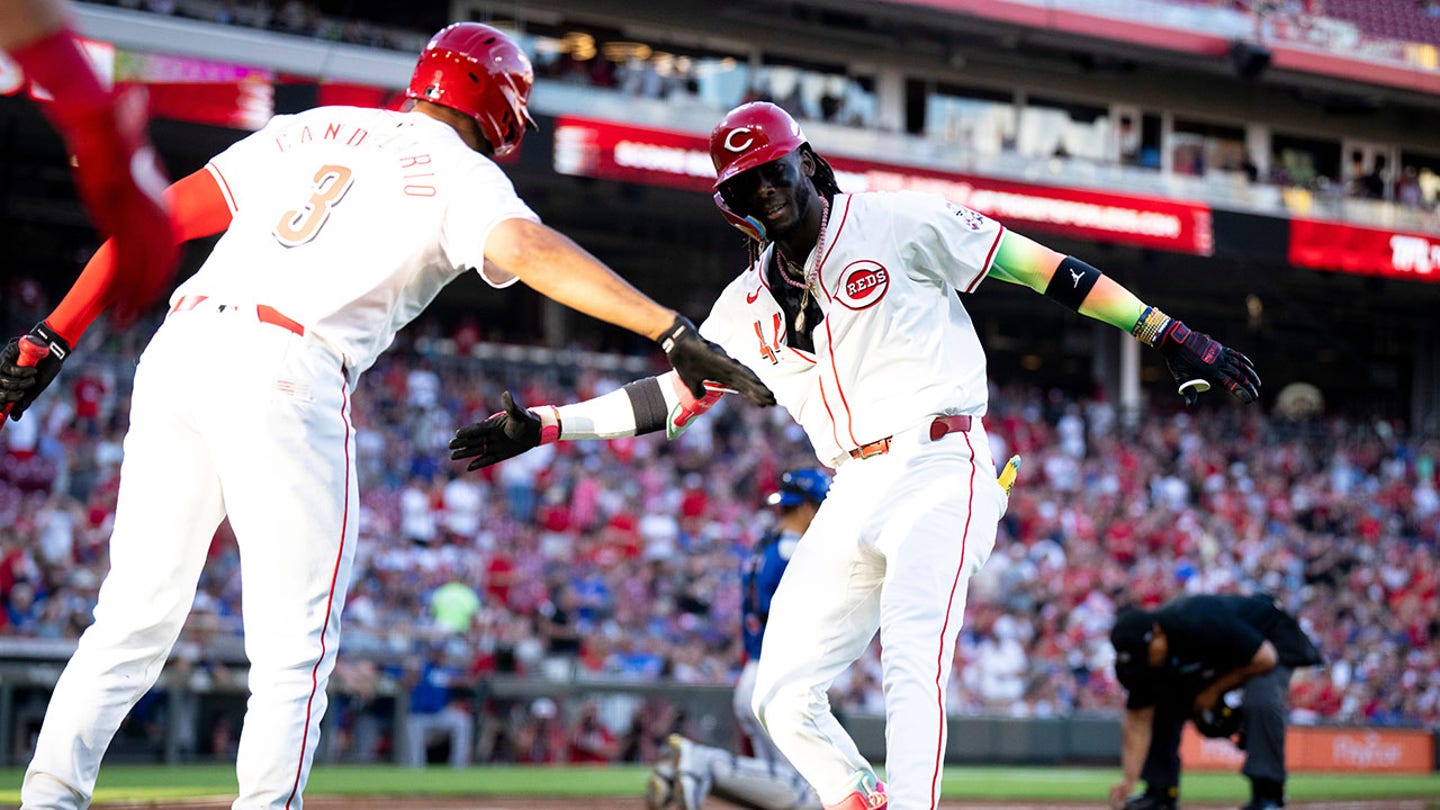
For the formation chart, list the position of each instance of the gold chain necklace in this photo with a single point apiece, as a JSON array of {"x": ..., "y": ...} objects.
[{"x": 808, "y": 275}]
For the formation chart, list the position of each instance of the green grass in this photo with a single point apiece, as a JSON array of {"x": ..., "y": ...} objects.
[{"x": 138, "y": 783}]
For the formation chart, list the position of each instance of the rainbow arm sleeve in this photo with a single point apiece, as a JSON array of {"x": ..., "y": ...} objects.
[{"x": 1023, "y": 261}]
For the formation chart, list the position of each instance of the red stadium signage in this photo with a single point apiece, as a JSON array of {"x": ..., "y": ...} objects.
[
  {"x": 631, "y": 154},
  {"x": 1320, "y": 245}
]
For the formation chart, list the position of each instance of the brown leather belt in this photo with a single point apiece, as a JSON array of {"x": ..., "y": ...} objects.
[
  {"x": 263, "y": 313},
  {"x": 938, "y": 428}
]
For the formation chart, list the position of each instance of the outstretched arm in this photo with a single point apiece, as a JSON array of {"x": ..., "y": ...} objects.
[
  {"x": 639, "y": 407},
  {"x": 196, "y": 207},
  {"x": 1196, "y": 360},
  {"x": 554, "y": 266},
  {"x": 1135, "y": 733}
]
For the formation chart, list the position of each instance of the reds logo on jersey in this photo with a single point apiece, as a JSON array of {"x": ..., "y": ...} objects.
[
  {"x": 862, "y": 283},
  {"x": 971, "y": 219}
]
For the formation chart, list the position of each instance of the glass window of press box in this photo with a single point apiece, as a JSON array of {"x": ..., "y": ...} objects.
[
  {"x": 816, "y": 92},
  {"x": 1054, "y": 128},
  {"x": 1198, "y": 148},
  {"x": 974, "y": 119},
  {"x": 599, "y": 58},
  {"x": 1297, "y": 161},
  {"x": 1418, "y": 184}
]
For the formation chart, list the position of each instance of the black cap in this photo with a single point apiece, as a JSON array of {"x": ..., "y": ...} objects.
[{"x": 1131, "y": 636}]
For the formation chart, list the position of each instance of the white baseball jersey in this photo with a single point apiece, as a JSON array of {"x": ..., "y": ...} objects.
[
  {"x": 896, "y": 346},
  {"x": 309, "y": 193},
  {"x": 347, "y": 221}
]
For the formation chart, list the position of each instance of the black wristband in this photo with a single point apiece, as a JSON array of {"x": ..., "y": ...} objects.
[
  {"x": 648, "y": 402},
  {"x": 1071, "y": 283},
  {"x": 59, "y": 346}
]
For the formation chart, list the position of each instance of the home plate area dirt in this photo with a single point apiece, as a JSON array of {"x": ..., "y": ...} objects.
[{"x": 636, "y": 803}]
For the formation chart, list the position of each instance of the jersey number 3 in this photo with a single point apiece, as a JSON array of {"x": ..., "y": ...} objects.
[{"x": 298, "y": 226}]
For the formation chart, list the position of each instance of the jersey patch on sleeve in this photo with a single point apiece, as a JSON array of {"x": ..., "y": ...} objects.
[{"x": 972, "y": 219}]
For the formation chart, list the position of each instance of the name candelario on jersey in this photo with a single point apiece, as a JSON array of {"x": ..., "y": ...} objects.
[{"x": 417, "y": 180}]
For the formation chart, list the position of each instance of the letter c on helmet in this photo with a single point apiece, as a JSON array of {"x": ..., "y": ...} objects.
[{"x": 739, "y": 147}]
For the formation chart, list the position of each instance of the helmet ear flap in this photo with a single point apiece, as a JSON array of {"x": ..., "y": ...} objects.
[{"x": 750, "y": 226}]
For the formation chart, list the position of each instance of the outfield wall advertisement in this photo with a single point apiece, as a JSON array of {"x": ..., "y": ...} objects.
[{"x": 1324, "y": 750}]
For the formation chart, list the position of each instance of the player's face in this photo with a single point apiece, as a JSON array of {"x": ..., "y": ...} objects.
[{"x": 778, "y": 193}]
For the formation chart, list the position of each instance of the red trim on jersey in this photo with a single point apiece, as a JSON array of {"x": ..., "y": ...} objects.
[
  {"x": 989, "y": 260},
  {"x": 196, "y": 209},
  {"x": 224, "y": 185},
  {"x": 849, "y": 416},
  {"x": 760, "y": 271},
  {"x": 824, "y": 400},
  {"x": 802, "y": 355},
  {"x": 834, "y": 240},
  {"x": 945, "y": 630},
  {"x": 330, "y": 599}
]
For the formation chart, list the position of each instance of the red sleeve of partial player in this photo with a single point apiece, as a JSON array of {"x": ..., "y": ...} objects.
[{"x": 197, "y": 208}]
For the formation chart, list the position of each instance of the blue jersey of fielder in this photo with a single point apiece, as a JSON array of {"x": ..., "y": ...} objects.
[{"x": 759, "y": 577}]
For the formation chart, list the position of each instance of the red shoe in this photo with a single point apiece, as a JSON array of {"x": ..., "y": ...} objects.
[
  {"x": 121, "y": 183},
  {"x": 869, "y": 794}
]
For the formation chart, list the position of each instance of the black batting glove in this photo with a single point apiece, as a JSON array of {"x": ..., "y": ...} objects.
[
  {"x": 1198, "y": 361},
  {"x": 504, "y": 435},
  {"x": 24, "y": 375},
  {"x": 696, "y": 360}
]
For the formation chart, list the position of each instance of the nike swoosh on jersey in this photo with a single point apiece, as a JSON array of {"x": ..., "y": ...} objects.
[{"x": 751, "y": 296}]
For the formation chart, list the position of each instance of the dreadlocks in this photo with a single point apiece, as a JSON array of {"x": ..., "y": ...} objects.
[{"x": 824, "y": 177}]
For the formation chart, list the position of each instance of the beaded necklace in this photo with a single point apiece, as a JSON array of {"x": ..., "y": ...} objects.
[{"x": 811, "y": 272}]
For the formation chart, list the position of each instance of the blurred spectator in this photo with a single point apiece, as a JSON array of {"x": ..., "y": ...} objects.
[
  {"x": 619, "y": 555},
  {"x": 436, "y": 708},
  {"x": 591, "y": 743}
]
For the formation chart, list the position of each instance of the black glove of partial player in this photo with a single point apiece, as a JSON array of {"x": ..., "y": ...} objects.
[
  {"x": 23, "y": 379},
  {"x": 696, "y": 360},
  {"x": 500, "y": 436},
  {"x": 1198, "y": 361},
  {"x": 1220, "y": 720}
]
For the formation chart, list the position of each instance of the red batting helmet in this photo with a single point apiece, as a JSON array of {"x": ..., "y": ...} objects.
[
  {"x": 477, "y": 70},
  {"x": 750, "y": 135}
]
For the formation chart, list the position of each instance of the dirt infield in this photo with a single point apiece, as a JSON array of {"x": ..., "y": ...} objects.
[{"x": 502, "y": 803}]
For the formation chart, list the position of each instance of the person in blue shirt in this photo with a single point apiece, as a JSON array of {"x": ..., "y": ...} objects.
[
  {"x": 688, "y": 772},
  {"x": 433, "y": 708}
]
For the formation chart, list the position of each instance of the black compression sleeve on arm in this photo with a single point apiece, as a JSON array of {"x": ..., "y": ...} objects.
[
  {"x": 649, "y": 403},
  {"x": 1071, "y": 283}
]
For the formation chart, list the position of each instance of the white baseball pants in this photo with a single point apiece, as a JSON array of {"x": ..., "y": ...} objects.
[
  {"x": 229, "y": 416},
  {"x": 893, "y": 548},
  {"x": 761, "y": 746}
]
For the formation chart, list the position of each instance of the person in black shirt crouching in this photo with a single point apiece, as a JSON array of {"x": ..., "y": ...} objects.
[{"x": 1178, "y": 663}]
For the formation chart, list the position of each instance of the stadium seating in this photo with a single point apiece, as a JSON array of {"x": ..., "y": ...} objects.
[{"x": 637, "y": 542}]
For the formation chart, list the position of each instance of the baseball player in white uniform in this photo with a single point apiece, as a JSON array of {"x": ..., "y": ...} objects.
[
  {"x": 341, "y": 224},
  {"x": 850, "y": 313}
]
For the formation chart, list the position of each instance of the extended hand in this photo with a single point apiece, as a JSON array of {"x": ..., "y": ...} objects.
[
  {"x": 1198, "y": 361},
  {"x": 1119, "y": 792},
  {"x": 500, "y": 436},
  {"x": 696, "y": 360},
  {"x": 28, "y": 364}
]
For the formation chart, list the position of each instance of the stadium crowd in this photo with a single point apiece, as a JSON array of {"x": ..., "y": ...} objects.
[{"x": 618, "y": 561}]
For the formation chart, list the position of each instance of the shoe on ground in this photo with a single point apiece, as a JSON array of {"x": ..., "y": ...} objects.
[
  {"x": 1264, "y": 804},
  {"x": 1147, "y": 801},
  {"x": 868, "y": 794},
  {"x": 660, "y": 785},
  {"x": 692, "y": 779}
]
